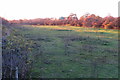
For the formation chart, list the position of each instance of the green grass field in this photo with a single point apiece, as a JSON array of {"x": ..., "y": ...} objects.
[{"x": 71, "y": 52}]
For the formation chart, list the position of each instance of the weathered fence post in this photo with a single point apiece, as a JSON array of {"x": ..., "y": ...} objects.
[{"x": 16, "y": 73}]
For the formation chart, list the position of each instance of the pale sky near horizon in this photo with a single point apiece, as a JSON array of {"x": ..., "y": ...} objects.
[{"x": 30, "y": 9}]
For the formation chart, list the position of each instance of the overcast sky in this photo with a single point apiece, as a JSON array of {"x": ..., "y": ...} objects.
[{"x": 29, "y": 9}]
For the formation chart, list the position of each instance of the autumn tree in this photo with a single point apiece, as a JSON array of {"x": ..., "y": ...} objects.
[
  {"x": 91, "y": 21},
  {"x": 108, "y": 22}
]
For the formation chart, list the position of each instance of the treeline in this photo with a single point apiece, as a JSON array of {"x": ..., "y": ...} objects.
[{"x": 87, "y": 20}]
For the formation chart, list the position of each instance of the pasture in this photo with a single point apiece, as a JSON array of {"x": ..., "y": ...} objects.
[{"x": 70, "y": 52}]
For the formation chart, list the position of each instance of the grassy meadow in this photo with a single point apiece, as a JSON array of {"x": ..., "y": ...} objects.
[{"x": 69, "y": 51}]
